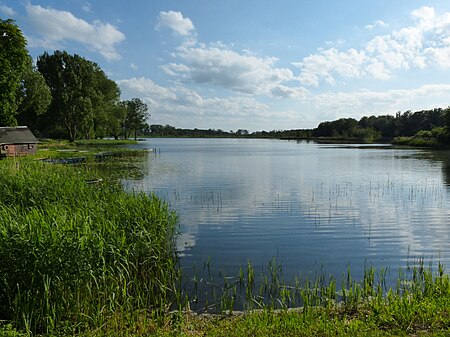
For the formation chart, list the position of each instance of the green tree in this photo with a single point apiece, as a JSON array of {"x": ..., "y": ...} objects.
[
  {"x": 116, "y": 120},
  {"x": 34, "y": 97},
  {"x": 13, "y": 61},
  {"x": 136, "y": 117},
  {"x": 82, "y": 94},
  {"x": 108, "y": 115}
]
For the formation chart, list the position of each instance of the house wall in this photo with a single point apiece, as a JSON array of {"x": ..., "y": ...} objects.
[{"x": 17, "y": 149}]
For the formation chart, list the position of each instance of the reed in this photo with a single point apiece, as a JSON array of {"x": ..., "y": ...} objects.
[{"x": 74, "y": 255}]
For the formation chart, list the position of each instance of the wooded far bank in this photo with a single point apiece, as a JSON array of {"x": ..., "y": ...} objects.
[{"x": 426, "y": 128}]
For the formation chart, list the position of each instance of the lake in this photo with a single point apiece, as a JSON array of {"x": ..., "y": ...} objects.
[{"x": 315, "y": 208}]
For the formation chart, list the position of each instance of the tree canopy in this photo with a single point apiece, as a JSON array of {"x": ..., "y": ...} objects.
[
  {"x": 13, "y": 63},
  {"x": 34, "y": 97},
  {"x": 136, "y": 115},
  {"x": 82, "y": 95}
]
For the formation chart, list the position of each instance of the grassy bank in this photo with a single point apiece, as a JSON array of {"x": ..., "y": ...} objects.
[{"x": 76, "y": 255}]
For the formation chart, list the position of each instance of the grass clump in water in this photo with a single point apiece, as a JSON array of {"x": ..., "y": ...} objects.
[
  {"x": 417, "y": 306},
  {"x": 74, "y": 255}
]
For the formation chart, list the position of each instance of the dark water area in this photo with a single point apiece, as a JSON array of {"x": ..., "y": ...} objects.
[{"x": 315, "y": 208}]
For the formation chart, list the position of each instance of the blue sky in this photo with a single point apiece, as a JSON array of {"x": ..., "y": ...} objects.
[{"x": 256, "y": 65}]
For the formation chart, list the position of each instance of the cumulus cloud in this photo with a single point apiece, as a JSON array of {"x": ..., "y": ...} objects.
[
  {"x": 425, "y": 16},
  {"x": 282, "y": 91},
  {"x": 55, "y": 27},
  {"x": 8, "y": 11},
  {"x": 377, "y": 23},
  {"x": 176, "y": 22},
  {"x": 425, "y": 43},
  {"x": 218, "y": 65},
  {"x": 326, "y": 63},
  {"x": 147, "y": 88},
  {"x": 185, "y": 107},
  {"x": 367, "y": 102}
]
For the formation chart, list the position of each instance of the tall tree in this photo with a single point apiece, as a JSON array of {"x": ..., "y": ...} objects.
[
  {"x": 136, "y": 117},
  {"x": 13, "y": 61},
  {"x": 107, "y": 113},
  {"x": 76, "y": 86},
  {"x": 116, "y": 120},
  {"x": 34, "y": 98}
]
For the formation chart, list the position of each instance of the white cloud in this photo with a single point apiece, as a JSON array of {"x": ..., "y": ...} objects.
[
  {"x": 289, "y": 92},
  {"x": 56, "y": 27},
  {"x": 425, "y": 17},
  {"x": 174, "y": 69},
  {"x": 366, "y": 102},
  {"x": 134, "y": 66},
  {"x": 439, "y": 56},
  {"x": 146, "y": 88},
  {"x": 8, "y": 11},
  {"x": 218, "y": 65},
  {"x": 425, "y": 43},
  {"x": 176, "y": 22},
  {"x": 183, "y": 107},
  {"x": 87, "y": 7},
  {"x": 377, "y": 23},
  {"x": 400, "y": 50},
  {"x": 329, "y": 62}
]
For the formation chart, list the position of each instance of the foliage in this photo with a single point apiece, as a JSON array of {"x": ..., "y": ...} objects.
[
  {"x": 34, "y": 96},
  {"x": 156, "y": 130},
  {"x": 105, "y": 108},
  {"x": 436, "y": 137},
  {"x": 136, "y": 115},
  {"x": 13, "y": 61},
  {"x": 72, "y": 254},
  {"x": 82, "y": 95},
  {"x": 407, "y": 124},
  {"x": 70, "y": 79}
]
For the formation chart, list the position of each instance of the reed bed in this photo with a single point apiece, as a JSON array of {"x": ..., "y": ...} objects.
[
  {"x": 73, "y": 255},
  {"x": 417, "y": 306}
]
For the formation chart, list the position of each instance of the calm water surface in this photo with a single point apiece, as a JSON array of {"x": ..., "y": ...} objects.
[{"x": 313, "y": 207}]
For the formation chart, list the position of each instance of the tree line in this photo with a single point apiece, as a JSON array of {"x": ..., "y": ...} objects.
[
  {"x": 62, "y": 96},
  {"x": 426, "y": 126}
]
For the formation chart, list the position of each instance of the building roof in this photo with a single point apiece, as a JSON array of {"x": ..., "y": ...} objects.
[{"x": 16, "y": 135}]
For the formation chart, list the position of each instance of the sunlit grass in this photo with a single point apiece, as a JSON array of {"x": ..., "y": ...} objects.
[{"x": 73, "y": 255}]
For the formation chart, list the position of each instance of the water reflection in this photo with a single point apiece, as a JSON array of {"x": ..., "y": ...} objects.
[{"x": 312, "y": 206}]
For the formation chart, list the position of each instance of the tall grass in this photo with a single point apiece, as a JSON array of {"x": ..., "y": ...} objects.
[{"x": 74, "y": 255}]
